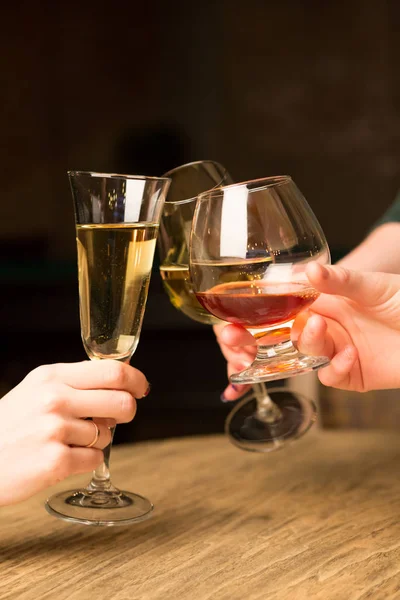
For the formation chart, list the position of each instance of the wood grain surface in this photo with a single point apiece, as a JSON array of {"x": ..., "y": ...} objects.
[{"x": 320, "y": 519}]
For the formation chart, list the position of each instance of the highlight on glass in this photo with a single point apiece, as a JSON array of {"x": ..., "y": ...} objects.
[
  {"x": 263, "y": 420},
  {"x": 250, "y": 245},
  {"x": 187, "y": 181},
  {"x": 117, "y": 222}
]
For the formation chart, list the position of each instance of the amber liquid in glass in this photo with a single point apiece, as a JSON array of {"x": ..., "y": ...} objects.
[{"x": 256, "y": 304}]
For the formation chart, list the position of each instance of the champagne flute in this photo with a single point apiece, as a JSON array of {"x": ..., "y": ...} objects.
[
  {"x": 117, "y": 221},
  {"x": 259, "y": 434},
  {"x": 249, "y": 247}
]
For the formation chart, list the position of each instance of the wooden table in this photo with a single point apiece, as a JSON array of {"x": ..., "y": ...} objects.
[{"x": 320, "y": 519}]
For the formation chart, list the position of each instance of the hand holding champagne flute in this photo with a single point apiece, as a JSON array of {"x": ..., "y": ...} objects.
[{"x": 117, "y": 220}]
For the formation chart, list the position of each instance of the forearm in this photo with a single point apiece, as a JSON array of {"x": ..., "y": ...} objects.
[{"x": 380, "y": 251}]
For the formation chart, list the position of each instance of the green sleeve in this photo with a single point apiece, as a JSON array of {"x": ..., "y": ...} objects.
[{"x": 392, "y": 215}]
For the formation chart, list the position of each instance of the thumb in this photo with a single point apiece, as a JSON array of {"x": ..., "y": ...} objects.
[{"x": 367, "y": 289}]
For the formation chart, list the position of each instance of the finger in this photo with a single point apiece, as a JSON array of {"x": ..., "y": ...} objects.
[
  {"x": 83, "y": 432},
  {"x": 239, "y": 359},
  {"x": 368, "y": 289},
  {"x": 298, "y": 326},
  {"x": 115, "y": 404},
  {"x": 234, "y": 392},
  {"x": 218, "y": 328},
  {"x": 314, "y": 338},
  {"x": 96, "y": 374},
  {"x": 83, "y": 460},
  {"x": 338, "y": 372},
  {"x": 235, "y": 335},
  {"x": 106, "y": 422}
]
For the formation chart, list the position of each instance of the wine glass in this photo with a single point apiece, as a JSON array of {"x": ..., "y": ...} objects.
[
  {"x": 117, "y": 221},
  {"x": 261, "y": 434},
  {"x": 249, "y": 247},
  {"x": 187, "y": 182}
]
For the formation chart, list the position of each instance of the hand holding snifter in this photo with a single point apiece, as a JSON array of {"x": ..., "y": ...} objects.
[
  {"x": 187, "y": 182},
  {"x": 250, "y": 244},
  {"x": 117, "y": 220}
]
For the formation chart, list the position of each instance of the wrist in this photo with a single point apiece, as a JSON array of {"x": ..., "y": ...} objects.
[{"x": 380, "y": 251}]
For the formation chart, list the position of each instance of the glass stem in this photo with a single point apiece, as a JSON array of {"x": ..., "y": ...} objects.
[
  {"x": 279, "y": 340},
  {"x": 101, "y": 480},
  {"x": 275, "y": 350},
  {"x": 267, "y": 410}
]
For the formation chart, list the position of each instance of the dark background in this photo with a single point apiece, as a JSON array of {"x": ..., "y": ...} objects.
[{"x": 308, "y": 88}]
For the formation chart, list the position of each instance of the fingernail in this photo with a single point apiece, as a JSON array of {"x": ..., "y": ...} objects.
[
  {"x": 232, "y": 387},
  {"x": 147, "y": 392}
]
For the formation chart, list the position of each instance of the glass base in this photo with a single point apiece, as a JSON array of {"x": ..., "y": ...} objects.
[
  {"x": 281, "y": 367},
  {"x": 248, "y": 428},
  {"x": 101, "y": 508}
]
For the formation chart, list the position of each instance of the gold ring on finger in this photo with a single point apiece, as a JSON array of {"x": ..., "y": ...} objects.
[{"x": 96, "y": 436}]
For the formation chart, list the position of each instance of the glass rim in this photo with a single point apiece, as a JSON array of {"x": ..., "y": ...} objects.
[
  {"x": 263, "y": 184},
  {"x": 117, "y": 175},
  {"x": 191, "y": 164}
]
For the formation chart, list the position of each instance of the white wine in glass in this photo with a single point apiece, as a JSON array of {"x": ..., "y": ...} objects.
[
  {"x": 117, "y": 221},
  {"x": 113, "y": 292},
  {"x": 178, "y": 285}
]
